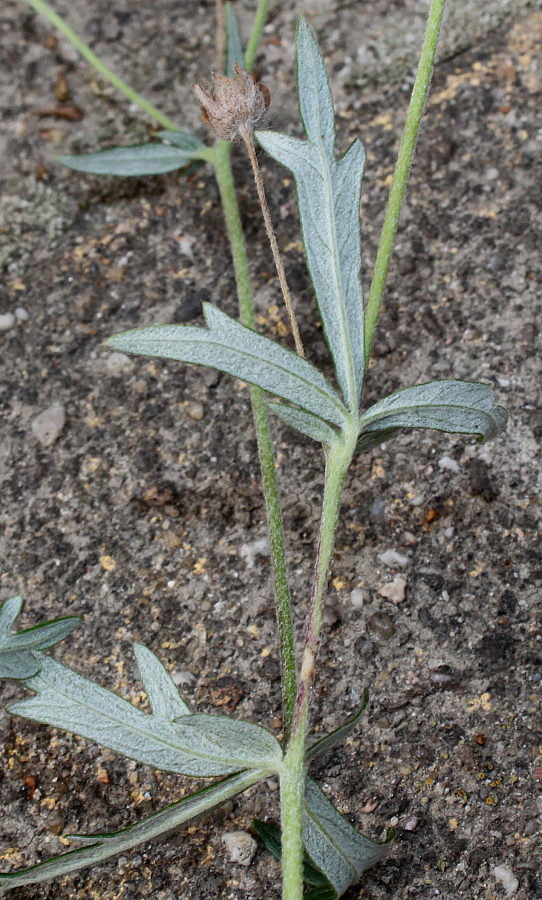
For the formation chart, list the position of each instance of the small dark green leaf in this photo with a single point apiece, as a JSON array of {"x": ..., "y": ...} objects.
[
  {"x": 103, "y": 846},
  {"x": 230, "y": 347},
  {"x": 339, "y": 734},
  {"x": 460, "y": 407},
  {"x": 305, "y": 423},
  {"x": 234, "y": 45},
  {"x": 18, "y": 659},
  {"x": 141, "y": 159},
  {"x": 322, "y": 893},
  {"x": 271, "y": 837}
]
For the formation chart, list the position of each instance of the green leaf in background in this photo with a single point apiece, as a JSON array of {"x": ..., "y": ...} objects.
[
  {"x": 271, "y": 837},
  {"x": 141, "y": 159},
  {"x": 234, "y": 45},
  {"x": 186, "y": 141},
  {"x": 17, "y": 657},
  {"x": 230, "y": 347},
  {"x": 198, "y": 745},
  {"x": 321, "y": 893},
  {"x": 460, "y": 407},
  {"x": 333, "y": 844},
  {"x": 102, "y": 846},
  {"x": 329, "y": 198},
  {"x": 159, "y": 686},
  {"x": 339, "y": 734},
  {"x": 305, "y": 423}
]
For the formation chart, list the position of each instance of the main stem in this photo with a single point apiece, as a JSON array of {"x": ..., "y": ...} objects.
[
  {"x": 402, "y": 169},
  {"x": 224, "y": 176},
  {"x": 294, "y": 770}
]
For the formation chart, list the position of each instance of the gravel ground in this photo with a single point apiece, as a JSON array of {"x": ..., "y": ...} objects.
[{"x": 141, "y": 511}]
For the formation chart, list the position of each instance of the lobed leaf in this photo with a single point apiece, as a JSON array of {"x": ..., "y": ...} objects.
[
  {"x": 461, "y": 407},
  {"x": 18, "y": 659},
  {"x": 140, "y": 159},
  {"x": 329, "y": 194},
  {"x": 103, "y": 846},
  {"x": 196, "y": 745},
  {"x": 230, "y": 347},
  {"x": 234, "y": 45},
  {"x": 339, "y": 734},
  {"x": 335, "y": 847}
]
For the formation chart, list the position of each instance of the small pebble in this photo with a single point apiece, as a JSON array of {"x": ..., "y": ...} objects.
[
  {"x": 195, "y": 410},
  {"x": 409, "y": 540},
  {"x": 503, "y": 382},
  {"x": 393, "y": 559},
  {"x": 394, "y": 590},
  {"x": 358, "y": 597},
  {"x": 7, "y": 321},
  {"x": 21, "y": 314},
  {"x": 250, "y": 551},
  {"x": 411, "y": 823},
  {"x": 119, "y": 364},
  {"x": 47, "y": 427},
  {"x": 241, "y": 847},
  {"x": 444, "y": 676},
  {"x": 448, "y": 464},
  {"x": 183, "y": 677},
  {"x": 505, "y": 876},
  {"x": 381, "y": 625}
]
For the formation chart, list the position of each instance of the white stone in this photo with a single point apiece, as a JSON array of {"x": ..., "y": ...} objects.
[
  {"x": 358, "y": 597},
  {"x": 394, "y": 590},
  {"x": 119, "y": 364},
  {"x": 250, "y": 551},
  {"x": 7, "y": 321},
  {"x": 393, "y": 559},
  {"x": 48, "y": 425},
  {"x": 21, "y": 314},
  {"x": 448, "y": 464},
  {"x": 505, "y": 876},
  {"x": 241, "y": 847}
]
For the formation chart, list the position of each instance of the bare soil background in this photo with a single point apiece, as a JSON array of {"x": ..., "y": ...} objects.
[{"x": 145, "y": 516}]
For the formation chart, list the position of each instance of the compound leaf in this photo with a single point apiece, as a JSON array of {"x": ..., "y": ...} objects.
[
  {"x": 102, "y": 846},
  {"x": 159, "y": 686},
  {"x": 339, "y": 734},
  {"x": 230, "y": 347},
  {"x": 333, "y": 844},
  {"x": 141, "y": 159},
  {"x": 462, "y": 407},
  {"x": 234, "y": 44},
  {"x": 196, "y": 745},
  {"x": 328, "y": 193},
  {"x": 18, "y": 659}
]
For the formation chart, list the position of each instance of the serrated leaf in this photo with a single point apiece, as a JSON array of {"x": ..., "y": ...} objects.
[
  {"x": 141, "y": 159},
  {"x": 186, "y": 141},
  {"x": 205, "y": 747},
  {"x": 230, "y": 347},
  {"x": 305, "y": 423},
  {"x": 103, "y": 846},
  {"x": 234, "y": 45},
  {"x": 333, "y": 844},
  {"x": 328, "y": 193},
  {"x": 460, "y": 407},
  {"x": 159, "y": 686},
  {"x": 339, "y": 734},
  {"x": 271, "y": 837},
  {"x": 17, "y": 657}
]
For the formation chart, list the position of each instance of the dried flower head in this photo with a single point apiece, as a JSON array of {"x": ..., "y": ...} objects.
[{"x": 231, "y": 105}]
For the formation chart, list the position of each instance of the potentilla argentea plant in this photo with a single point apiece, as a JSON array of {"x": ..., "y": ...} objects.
[{"x": 317, "y": 846}]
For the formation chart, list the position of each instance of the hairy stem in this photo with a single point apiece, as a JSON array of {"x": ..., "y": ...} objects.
[
  {"x": 224, "y": 176},
  {"x": 246, "y": 134},
  {"x": 260, "y": 17},
  {"x": 101, "y": 68},
  {"x": 402, "y": 169}
]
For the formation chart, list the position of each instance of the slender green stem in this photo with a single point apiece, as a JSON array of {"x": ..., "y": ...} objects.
[
  {"x": 224, "y": 176},
  {"x": 260, "y": 17},
  {"x": 402, "y": 169},
  {"x": 85, "y": 51}
]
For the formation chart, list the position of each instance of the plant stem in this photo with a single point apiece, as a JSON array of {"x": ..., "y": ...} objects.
[
  {"x": 402, "y": 169},
  {"x": 224, "y": 176},
  {"x": 85, "y": 51},
  {"x": 258, "y": 23},
  {"x": 246, "y": 134},
  {"x": 293, "y": 775},
  {"x": 220, "y": 34}
]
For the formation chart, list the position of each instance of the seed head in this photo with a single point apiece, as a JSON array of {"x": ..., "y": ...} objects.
[{"x": 232, "y": 104}]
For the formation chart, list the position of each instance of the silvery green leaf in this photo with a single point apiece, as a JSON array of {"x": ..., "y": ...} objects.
[
  {"x": 305, "y": 423},
  {"x": 103, "y": 846},
  {"x": 159, "y": 686},
  {"x": 141, "y": 159},
  {"x": 333, "y": 844},
  {"x": 186, "y": 141},
  {"x": 462, "y": 407},
  {"x": 234, "y": 45},
  {"x": 339, "y": 734},
  {"x": 230, "y": 347},
  {"x": 66, "y": 700},
  {"x": 271, "y": 837},
  {"x": 369, "y": 439},
  {"x": 328, "y": 193},
  {"x": 17, "y": 657}
]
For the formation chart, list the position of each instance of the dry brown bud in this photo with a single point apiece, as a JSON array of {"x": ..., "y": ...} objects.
[{"x": 230, "y": 105}]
